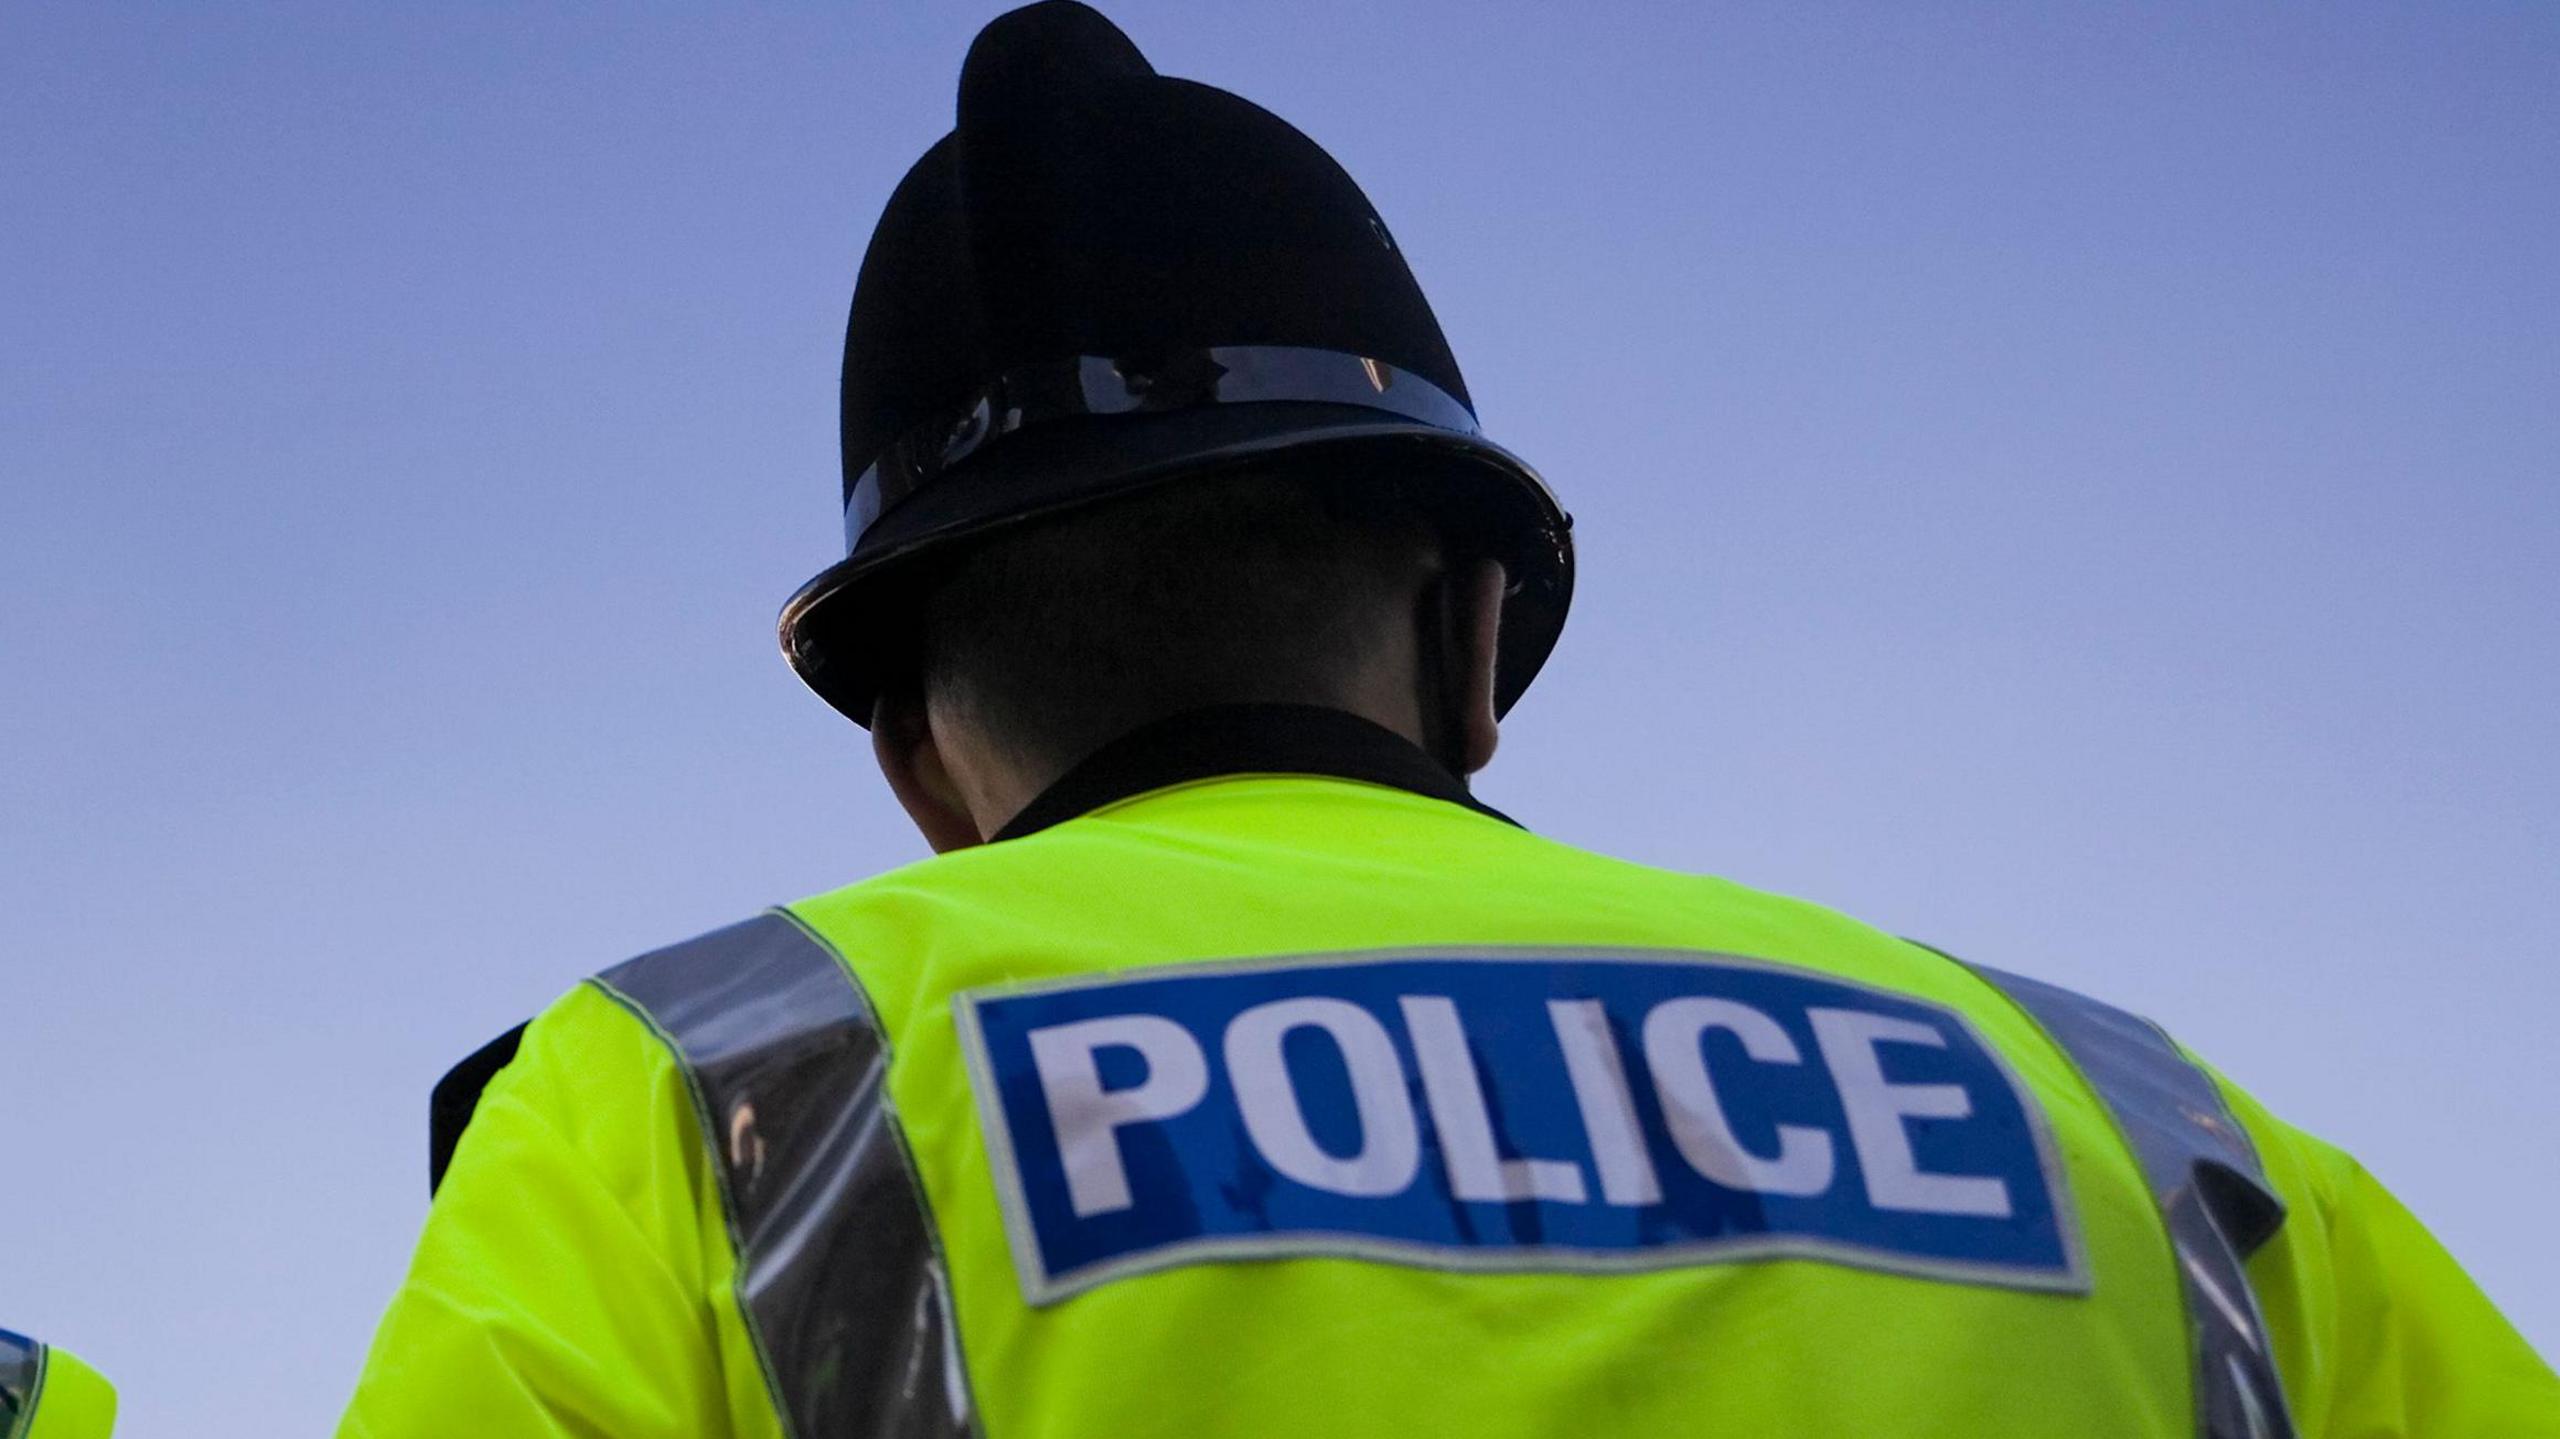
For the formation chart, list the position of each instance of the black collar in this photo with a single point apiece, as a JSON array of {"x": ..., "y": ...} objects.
[{"x": 1242, "y": 739}]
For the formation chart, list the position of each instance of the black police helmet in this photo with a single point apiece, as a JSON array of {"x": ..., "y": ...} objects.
[{"x": 1103, "y": 280}]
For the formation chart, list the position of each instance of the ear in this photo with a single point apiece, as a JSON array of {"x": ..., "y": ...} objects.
[
  {"x": 1477, "y": 589},
  {"x": 902, "y": 741}
]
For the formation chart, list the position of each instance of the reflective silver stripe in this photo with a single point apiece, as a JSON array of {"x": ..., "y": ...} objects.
[
  {"x": 21, "y": 1383},
  {"x": 2205, "y": 1176},
  {"x": 840, "y": 1275}
]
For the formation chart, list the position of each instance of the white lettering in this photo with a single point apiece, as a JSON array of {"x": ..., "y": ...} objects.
[
  {"x": 1455, "y": 1092},
  {"x": 1390, "y": 1140},
  {"x": 1675, "y": 1049},
  {"x": 1877, "y": 1107},
  {"x": 1608, "y": 1106},
  {"x": 1087, "y": 1118}
]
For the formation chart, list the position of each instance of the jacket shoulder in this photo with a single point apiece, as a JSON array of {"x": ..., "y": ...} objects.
[{"x": 698, "y": 965}]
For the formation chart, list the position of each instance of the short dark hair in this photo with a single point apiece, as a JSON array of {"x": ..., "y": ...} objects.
[{"x": 1270, "y": 582}]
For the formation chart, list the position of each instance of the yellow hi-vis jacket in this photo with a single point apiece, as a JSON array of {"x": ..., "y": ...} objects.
[
  {"x": 1257, "y": 1082},
  {"x": 47, "y": 1393}
]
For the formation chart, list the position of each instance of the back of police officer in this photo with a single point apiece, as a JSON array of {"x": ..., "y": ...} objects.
[{"x": 1231, "y": 1070}]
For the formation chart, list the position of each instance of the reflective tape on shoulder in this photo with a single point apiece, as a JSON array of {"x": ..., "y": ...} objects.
[
  {"x": 21, "y": 1379},
  {"x": 2204, "y": 1174},
  {"x": 841, "y": 1279}
]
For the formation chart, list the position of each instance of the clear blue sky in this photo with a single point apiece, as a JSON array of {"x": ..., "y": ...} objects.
[{"x": 2079, "y": 484}]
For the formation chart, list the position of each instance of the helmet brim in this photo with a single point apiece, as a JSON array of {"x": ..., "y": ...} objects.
[{"x": 836, "y": 630}]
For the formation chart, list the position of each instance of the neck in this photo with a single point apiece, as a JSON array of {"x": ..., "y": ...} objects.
[
  {"x": 997, "y": 784},
  {"x": 1240, "y": 739}
]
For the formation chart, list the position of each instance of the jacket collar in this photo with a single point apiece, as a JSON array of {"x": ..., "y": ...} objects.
[{"x": 1240, "y": 740}]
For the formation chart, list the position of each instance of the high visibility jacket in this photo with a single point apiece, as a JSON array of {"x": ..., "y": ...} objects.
[
  {"x": 47, "y": 1393},
  {"x": 1257, "y": 1082}
]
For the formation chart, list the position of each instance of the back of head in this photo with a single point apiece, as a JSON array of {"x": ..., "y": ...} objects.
[{"x": 1268, "y": 583}]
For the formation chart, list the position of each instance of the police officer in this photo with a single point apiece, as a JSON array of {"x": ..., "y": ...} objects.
[
  {"x": 1231, "y": 1070},
  {"x": 47, "y": 1393}
]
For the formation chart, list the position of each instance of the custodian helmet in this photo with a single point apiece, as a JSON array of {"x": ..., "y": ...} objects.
[{"x": 1105, "y": 279}]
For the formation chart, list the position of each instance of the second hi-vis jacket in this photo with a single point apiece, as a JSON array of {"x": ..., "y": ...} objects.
[
  {"x": 1259, "y": 1083},
  {"x": 47, "y": 1393}
]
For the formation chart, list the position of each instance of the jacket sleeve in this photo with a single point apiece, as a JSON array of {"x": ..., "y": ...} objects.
[
  {"x": 2420, "y": 1350},
  {"x": 2379, "y": 1332},
  {"x": 70, "y": 1401},
  {"x": 570, "y": 1277}
]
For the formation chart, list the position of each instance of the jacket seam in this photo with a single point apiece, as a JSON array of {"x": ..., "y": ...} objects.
[
  {"x": 906, "y": 1156},
  {"x": 704, "y": 1127}
]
